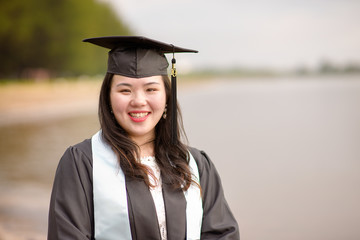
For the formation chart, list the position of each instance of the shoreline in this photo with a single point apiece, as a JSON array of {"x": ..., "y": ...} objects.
[
  {"x": 29, "y": 102},
  {"x": 22, "y": 103}
]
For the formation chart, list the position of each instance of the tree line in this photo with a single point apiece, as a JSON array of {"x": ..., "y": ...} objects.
[{"x": 45, "y": 36}]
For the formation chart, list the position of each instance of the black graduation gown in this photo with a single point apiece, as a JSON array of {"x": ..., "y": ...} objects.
[{"x": 71, "y": 213}]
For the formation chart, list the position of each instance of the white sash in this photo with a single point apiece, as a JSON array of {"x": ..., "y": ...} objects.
[
  {"x": 111, "y": 215},
  {"x": 194, "y": 208}
]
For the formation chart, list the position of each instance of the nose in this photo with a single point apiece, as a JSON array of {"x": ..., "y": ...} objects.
[{"x": 139, "y": 99}]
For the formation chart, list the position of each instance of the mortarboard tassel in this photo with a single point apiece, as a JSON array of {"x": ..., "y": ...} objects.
[{"x": 174, "y": 127}]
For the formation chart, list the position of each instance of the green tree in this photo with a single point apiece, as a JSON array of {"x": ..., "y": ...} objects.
[{"x": 47, "y": 34}]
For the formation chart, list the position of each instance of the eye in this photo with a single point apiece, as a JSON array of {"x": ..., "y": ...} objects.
[
  {"x": 151, "y": 89},
  {"x": 125, "y": 91}
]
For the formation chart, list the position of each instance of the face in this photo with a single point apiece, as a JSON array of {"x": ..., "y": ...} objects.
[{"x": 138, "y": 104}]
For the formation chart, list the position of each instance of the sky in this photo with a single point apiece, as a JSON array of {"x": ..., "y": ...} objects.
[{"x": 277, "y": 34}]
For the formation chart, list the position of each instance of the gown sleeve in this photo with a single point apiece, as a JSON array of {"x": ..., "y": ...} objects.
[
  {"x": 218, "y": 221},
  {"x": 71, "y": 204}
]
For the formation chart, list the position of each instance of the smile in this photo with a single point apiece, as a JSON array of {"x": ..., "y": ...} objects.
[{"x": 139, "y": 116}]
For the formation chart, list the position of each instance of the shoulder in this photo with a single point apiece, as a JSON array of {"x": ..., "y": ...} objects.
[
  {"x": 203, "y": 161},
  {"x": 199, "y": 155},
  {"x": 209, "y": 177},
  {"x": 78, "y": 155},
  {"x": 83, "y": 147}
]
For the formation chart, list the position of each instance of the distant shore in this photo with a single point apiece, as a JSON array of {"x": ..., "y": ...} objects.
[{"x": 23, "y": 102}]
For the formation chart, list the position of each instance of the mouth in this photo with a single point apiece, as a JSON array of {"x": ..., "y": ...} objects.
[{"x": 139, "y": 116}]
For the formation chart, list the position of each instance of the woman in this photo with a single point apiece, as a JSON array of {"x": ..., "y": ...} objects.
[{"x": 135, "y": 179}]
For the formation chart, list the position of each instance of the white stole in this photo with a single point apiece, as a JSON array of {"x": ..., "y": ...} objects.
[{"x": 111, "y": 215}]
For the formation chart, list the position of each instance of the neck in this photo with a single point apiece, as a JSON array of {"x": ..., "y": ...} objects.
[
  {"x": 146, "y": 146},
  {"x": 147, "y": 149}
]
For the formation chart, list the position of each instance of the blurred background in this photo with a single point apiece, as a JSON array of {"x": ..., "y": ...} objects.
[{"x": 272, "y": 96}]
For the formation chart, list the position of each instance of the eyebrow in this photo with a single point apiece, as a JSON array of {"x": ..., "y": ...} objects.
[
  {"x": 129, "y": 85},
  {"x": 150, "y": 83},
  {"x": 124, "y": 84}
]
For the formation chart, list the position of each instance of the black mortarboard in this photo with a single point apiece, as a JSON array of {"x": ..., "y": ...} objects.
[{"x": 138, "y": 57}]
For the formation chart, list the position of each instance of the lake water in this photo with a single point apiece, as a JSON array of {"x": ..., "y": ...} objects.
[{"x": 287, "y": 149}]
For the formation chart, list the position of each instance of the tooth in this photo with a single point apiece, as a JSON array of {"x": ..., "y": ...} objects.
[{"x": 138, "y": 115}]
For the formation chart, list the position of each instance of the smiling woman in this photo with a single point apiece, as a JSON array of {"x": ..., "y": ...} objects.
[{"x": 135, "y": 179}]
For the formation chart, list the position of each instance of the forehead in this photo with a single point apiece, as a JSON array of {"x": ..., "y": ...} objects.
[{"x": 119, "y": 79}]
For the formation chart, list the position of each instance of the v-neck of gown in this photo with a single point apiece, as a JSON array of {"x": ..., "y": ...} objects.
[{"x": 156, "y": 192}]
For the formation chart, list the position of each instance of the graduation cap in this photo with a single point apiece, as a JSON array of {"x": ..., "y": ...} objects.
[{"x": 138, "y": 57}]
